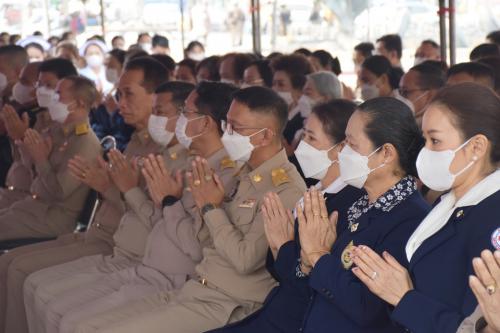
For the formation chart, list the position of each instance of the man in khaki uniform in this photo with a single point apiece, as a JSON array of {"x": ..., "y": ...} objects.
[
  {"x": 21, "y": 262},
  {"x": 233, "y": 280},
  {"x": 56, "y": 197},
  {"x": 173, "y": 248},
  {"x": 28, "y": 114},
  {"x": 133, "y": 230}
]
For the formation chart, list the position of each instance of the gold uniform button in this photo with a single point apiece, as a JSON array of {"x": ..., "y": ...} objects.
[
  {"x": 173, "y": 156},
  {"x": 34, "y": 196},
  {"x": 257, "y": 178},
  {"x": 460, "y": 213}
]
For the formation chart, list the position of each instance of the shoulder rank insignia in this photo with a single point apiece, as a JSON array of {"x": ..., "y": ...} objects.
[
  {"x": 82, "y": 129},
  {"x": 227, "y": 163},
  {"x": 279, "y": 176},
  {"x": 346, "y": 256}
]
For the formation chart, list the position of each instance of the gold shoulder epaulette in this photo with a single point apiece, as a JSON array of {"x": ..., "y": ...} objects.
[
  {"x": 279, "y": 177},
  {"x": 227, "y": 163},
  {"x": 82, "y": 129}
]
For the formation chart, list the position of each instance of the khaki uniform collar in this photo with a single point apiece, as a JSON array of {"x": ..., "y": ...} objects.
[
  {"x": 263, "y": 174},
  {"x": 142, "y": 135}
]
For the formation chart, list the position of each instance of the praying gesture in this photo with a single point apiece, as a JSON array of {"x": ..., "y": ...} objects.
[
  {"x": 317, "y": 231},
  {"x": 160, "y": 181}
]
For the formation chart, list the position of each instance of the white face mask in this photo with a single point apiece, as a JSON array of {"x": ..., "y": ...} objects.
[
  {"x": 157, "y": 129},
  {"x": 22, "y": 93},
  {"x": 313, "y": 162},
  {"x": 58, "y": 111},
  {"x": 180, "y": 131},
  {"x": 94, "y": 60},
  {"x": 112, "y": 75},
  {"x": 354, "y": 169},
  {"x": 434, "y": 167},
  {"x": 239, "y": 147},
  {"x": 287, "y": 96},
  {"x": 44, "y": 96},
  {"x": 369, "y": 91},
  {"x": 146, "y": 47},
  {"x": 3, "y": 82},
  {"x": 196, "y": 56},
  {"x": 419, "y": 60}
]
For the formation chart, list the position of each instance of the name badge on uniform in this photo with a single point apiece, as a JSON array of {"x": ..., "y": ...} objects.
[
  {"x": 346, "y": 256},
  {"x": 249, "y": 203},
  {"x": 495, "y": 239}
]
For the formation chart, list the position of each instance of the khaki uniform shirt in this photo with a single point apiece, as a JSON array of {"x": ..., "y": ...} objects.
[
  {"x": 234, "y": 256},
  {"x": 56, "y": 196},
  {"x": 141, "y": 214}
]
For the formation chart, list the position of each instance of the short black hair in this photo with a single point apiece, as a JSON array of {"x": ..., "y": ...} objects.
[
  {"x": 159, "y": 40},
  {"x": 494, "y": 63},
  {"x": 142, "y": 34},
  {"x": 61, "y": 68},
  {"x": 334, "y": 116},
  {"x": 392, "y": 121},
  {"x": 214, "y": 99},
  {"x": 15, "y": 55},
  {"x": 118, "y": 55},
  {"x": 179, "y": 90},
  {"x": 241, "y": 62},
  {"x": 36, "y": 46},
  {"x": 117, "y": 37},
  {"x": 189, "y": 63},
  {"x": 380, "y": 65},
  {"x": 431, "y": 43},
  {"x": 365, "y": 48},
  {"x": 212, "y": 64},
  {"x": 326, "y": 59},
  {"x": 494, "y": 37},
  {"x": 474, "y": 69},
  {"x": 194, "y": 44},
  {"x": 165, "y": 60},
  {"x": 305, "y": 52},
  {"x": 154, "y": 73},
  {"x": 484, "y": 50},
  {"x": 265, "y": 72},
  {"x": 392, "y": 42},
  {"x": 296, "y": 66},
  {"x": 430, "y": 76},
  {"x": 264, "y": 101}
]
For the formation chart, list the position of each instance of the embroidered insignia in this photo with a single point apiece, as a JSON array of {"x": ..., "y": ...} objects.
[
  {"x": 346, "y": 257},
  {"x": 82, "y": 129},
  {"x": 495, "y": 239},
  {"x": 227, "y": 163},
  {"x": 279, "y": 176},
  {"x": 249, "y": 203}
]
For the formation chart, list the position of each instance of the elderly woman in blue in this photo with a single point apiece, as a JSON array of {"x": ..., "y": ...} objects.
[
  {"x": 324, "y": 133},
  {"x": 462, "y": 154},
  {"x": 382, "y": 143}
]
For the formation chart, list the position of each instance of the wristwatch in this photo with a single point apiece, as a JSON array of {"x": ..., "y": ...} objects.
[
  {"x": 208, "y": 207},
  {"x": 168, "y": 201}
]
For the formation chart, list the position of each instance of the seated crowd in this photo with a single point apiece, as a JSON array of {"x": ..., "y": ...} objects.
[{"x": 242, "y": 193}]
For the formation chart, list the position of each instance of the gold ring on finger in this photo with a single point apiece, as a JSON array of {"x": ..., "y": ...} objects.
[
  {"x": 491, "y": 289},
  {"x": 197, "y": 182},
  {"x": 208, "y": 178},
  {"x": 84, "y": 175},
  {"x": 374, "y": 275}
]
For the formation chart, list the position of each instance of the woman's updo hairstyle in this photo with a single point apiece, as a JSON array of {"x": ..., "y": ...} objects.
[{"x": 392, "y": 121}]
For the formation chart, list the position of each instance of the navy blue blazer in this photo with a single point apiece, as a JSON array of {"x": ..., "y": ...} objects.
[
  {"x": 284, "y": 308},
  {"x": 340, "y": 302},
  {"x": 441, "y": 267}
]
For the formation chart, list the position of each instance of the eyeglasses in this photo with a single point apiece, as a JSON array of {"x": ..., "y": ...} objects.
[
  {"x": 185, "y": 112},
  {"x": 229, "y": 129},
  {"x": 406, "y": 92}
]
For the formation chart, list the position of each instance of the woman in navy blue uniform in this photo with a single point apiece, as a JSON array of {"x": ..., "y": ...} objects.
[
  {"x": 461, "y": 155},
  {"x": 324, "y": 133},
  {"x": 314, "y": 269}
]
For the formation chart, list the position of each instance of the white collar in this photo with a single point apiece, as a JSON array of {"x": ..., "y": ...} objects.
[
  {"x": 335, "y": 187},
  {"x": 439, "y": 216}
]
